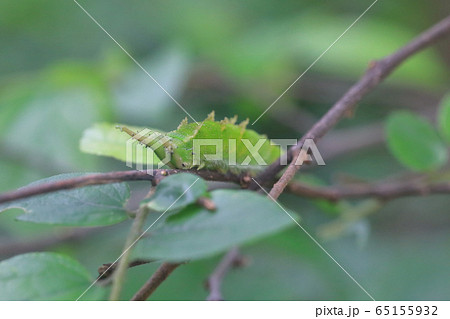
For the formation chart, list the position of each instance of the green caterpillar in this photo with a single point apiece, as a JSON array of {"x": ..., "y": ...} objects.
[{"x": 193, "y": 144}]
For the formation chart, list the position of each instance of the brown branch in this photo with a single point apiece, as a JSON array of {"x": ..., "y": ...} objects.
[
  {"x": 112, "y": 177},
  {"x": 384, "y": 191},
  {"x": 155, "y": 280},
  {"x": 326, "y": 90},
  {"x": 377, "y": 72},
  {"x": 106, "y": 270},
  {"x": 207, "y": 203},
  {"x": 214, "y": 283}
]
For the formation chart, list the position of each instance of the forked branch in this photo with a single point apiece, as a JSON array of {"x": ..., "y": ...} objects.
[
  {"x": 377, "y": 72},
  {"x": 214, "y": 283}
]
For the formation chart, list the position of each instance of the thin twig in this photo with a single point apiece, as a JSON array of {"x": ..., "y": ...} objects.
[
  {"x": 155, "y": 280},
  {"x": 214, "y": 282},
  {"x": 325, "y": 90},
  {"x": 106, "y": 270},
  {"x": 112, "y": 177},
  {"x": 123, "y": 264},
  {"x": 377, "y": 72},
  {"x": 384, "y": 191}
]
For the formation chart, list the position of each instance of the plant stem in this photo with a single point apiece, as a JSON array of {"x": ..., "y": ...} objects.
[
  {"x": 214, "y": 282},
  {"x": 155, "y": 280},
  {"x": 120, "y": 272}
]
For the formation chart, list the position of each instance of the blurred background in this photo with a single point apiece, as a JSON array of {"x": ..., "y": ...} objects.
[{"x": 60, "y": 73}]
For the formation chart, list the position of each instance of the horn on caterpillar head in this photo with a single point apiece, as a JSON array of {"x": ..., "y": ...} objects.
[{"x": 157, "y": 141}]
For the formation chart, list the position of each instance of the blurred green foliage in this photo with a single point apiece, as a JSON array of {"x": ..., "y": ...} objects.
[
  {"x": 414, "y": 142},
  {"x": 443, "y": 118},
  {"x": 60, "y": 74}
]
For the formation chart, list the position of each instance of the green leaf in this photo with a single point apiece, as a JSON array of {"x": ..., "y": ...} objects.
[
  {"x": 106, "y": 140},
  {"x": 87, "y": 206},
  {"x": 177, "y": 191},
  {"x": 444, "y": 117},
  {"x": 42, "y": 276},
  {"x": 414, "y": 142},
  {"x": 241, "y": 216}
]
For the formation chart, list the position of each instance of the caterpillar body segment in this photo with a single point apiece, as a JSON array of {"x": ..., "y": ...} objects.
[{"x": 215, "y": 145}]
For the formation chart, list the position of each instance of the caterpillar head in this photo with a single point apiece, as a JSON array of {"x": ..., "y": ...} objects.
[{"x": 183, "y": 158}]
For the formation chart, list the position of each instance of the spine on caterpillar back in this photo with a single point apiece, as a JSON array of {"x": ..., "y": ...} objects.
[{"x": 192, "y": 145}]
